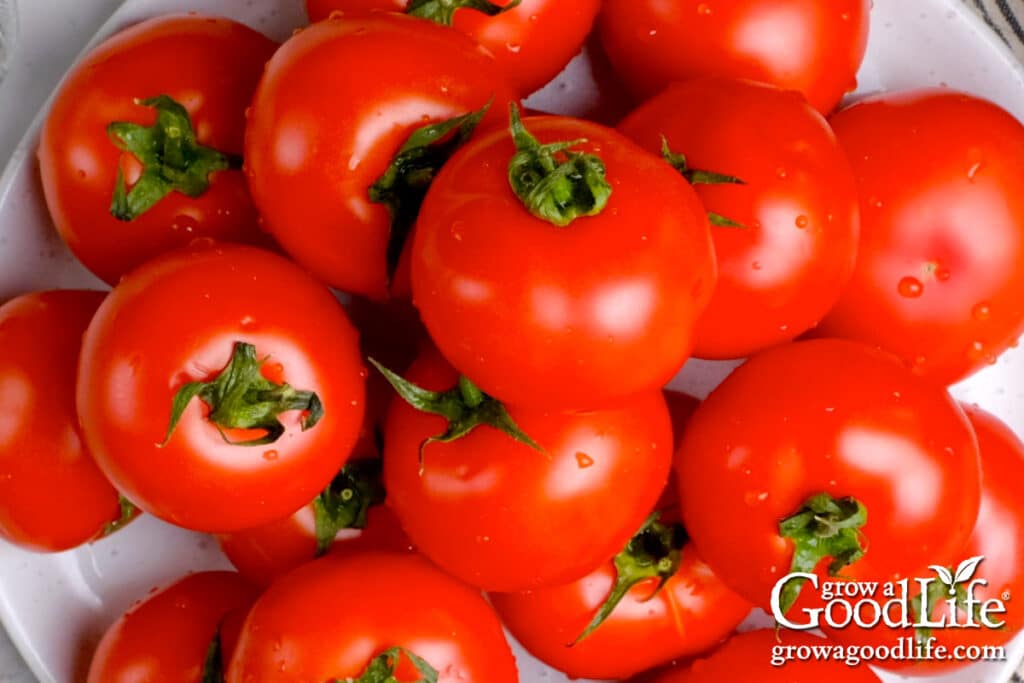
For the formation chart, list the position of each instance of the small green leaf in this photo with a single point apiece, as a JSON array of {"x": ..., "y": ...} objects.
[
  {"x": 128, "y": 513},
  {"x": 383, "y": 668},
  {"x": 697, "y": 177},
  {"x": 213, "y": 665},
  {"x": 443, "y": 11},
  {"x": 345, "y": 503}
]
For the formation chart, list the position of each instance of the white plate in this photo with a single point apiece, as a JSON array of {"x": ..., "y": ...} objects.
[{"x": 57, "y": 606}]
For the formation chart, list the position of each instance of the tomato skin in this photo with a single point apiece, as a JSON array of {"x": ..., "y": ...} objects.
[
  {"x": 575, "y": 317},
  {"x": 780, "y": 274},
  {"x": 52, "y": 495},
  {"x": 938, "y": 281},
  {"x": 217, "y": 64},
  {"x": 517, "y": 518},
  {"x": 296, "y": 631},
  {"x": 813, "y": 46},
  {"x": 164, "y": 637},
  {"x": 748, "y": 657},
  {"x": 532, "y": 43},
  {"x": 176, "y": 320},
  {"x": 826, "y": 416},
  {"x": 325, "y": 125}
]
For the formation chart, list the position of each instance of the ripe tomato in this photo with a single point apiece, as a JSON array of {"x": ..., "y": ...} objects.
[
  {"x": 672, "y": 606},
  {"x": 501, "y": 515},
  {"x": 835, "y": 418},
  {"x": 938, "y": 280},
  {"x": 326, "y": 124},
  {"x": 595, "y": 300},
  {"x": 195, "y": 179},
  {"x": 814, "y": 46},
  {"x": 331, "y": 618},
  {"x": 785, "y": 266},
  {"x": 52, "y": 495},
  {"x": 178, "y": 635},
  {"x": 748, "y": 657},
  {"x": 532, "y": 41},
  {"x": 259, "y": 362}
]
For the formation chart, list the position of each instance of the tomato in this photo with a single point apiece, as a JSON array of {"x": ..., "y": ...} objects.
[
  {"x": 510, "y": 508},
  {"x": 337, "y": 103},
  {"x": 826, "y": 432},
  {"x": 177, "y": 635},
  {"x": 532, "y": 41},
  {"x": 813, "y": 46},
  {"x": 331, "y": 618},
  {"x": 748, "y": 657},
  {"x": 52, "y": 495},
  {"x": 83, "y": 153},
  {"x": 220, "y": 388},
  {"x": 784, "y": 267},
  {"x": 654, "y": 623},
  {"x": 938, "y": 281},
  {"x": 566, "y": 302}
]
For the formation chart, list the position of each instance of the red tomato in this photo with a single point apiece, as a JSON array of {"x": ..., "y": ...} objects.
[
  {"x": 827, "y": 417},
  {"x": 814, "y": 46},
  {"x": 337, "y": 102},
  {"x": 577, "y": 315},
  {"x": 781, "y": 272},
  {"x": 217, "y": 64},
  {"x": 234, "y": 318},
  {"x": 330, "y": 619},
  {"x": 519, "y": 518},
  {"x": 170, "y": 636},
  {"x": 52, "y": 495},
  {"x": 748, "y": 657},
  {"x": 939, "y": 279},
  {"x": 531, "y": 42}
]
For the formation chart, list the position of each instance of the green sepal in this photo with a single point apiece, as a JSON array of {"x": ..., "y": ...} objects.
[
  {"x": 345, "y": 503},
  {"x": 553, "y": 182},
  {"x": 443, "y": 11},
  {"x": 939, "y": 592},
  {"x": 823, "y": 527},
  {"x": 240, "y": 397},
  {"x": 382, "y": 669},
  {"x": 128, "y": 512},
  {"x": 697, "y": 177},
  {"x": 213, "y": 665},
  {"x": 171, "y": 159}
]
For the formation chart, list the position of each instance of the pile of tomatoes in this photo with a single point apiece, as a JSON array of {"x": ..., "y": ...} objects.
[{"x": 483, "y": 410}]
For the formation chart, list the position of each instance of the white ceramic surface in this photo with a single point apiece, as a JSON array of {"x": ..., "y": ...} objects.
[{"x": 55, "y": 607}]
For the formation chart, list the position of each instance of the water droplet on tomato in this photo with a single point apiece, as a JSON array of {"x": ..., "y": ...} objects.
[
  {"x": 973, "y": 170},
  {"x": 910, "y": 287},
  {"x": 248, "y": 323},
  {"x": 752, "y": 498},
  {"x": 781, "y": 172},
  {"x": 802, "y": 222},
  {"x": 982, "y": 312},
  {"x": 270, "y": 455},
  {"x": 845, "y": 16},
  {"x": 756, "y": 265},
  {"x": 584, "y": 461},
  {"x": 514, "y": 48},
  {"x": 943, "y": 274},
  {"x": 704, "y": 9}
]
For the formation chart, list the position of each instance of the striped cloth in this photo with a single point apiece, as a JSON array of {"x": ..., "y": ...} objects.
[{"x": 1006, "y": 18}]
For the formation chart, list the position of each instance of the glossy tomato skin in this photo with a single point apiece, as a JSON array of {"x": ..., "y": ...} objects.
[
  {"x": 164, "y": 638},
  {"x": 502, "y": 516},
  {"x": 217, "y": 64},
  {"x": 784, "y": 270},
  {"x": 813, "y": 46},
  {"x": 330, "y": 618},
  {"x": 835, "y": 417},
  {"x": 532, "y": 43},
  {"x": 176, "y": 320},
  {"x": 566, "y": 317},
  {"x": 938, "y": 281},
  {"x": 748, "y": 657},
  {"x": 52, "y": 495},
  {"x": 337, "y": 102}
]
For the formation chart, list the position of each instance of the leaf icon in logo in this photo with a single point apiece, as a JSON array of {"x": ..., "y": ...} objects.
[
  {"x": 945, "y": 576},
  {"x": 967, "y": 568}
]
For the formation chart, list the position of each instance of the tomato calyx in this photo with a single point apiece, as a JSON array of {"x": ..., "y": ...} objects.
[
  {"x": 171, "y": 159},
  {"x": 655, "y": 552},
  {"x": 404, "y": 184},
  {"x": 443, "y": 11},
  {"x": 213, "y": 665},
  {"x": 823, "y": 527},
  {"x": 383, "y": 668},
  {"x": 344, "y": 504},
  {"x": 128, "y": 512},
  {"x": 464, "y": 406},
  {"x": 553, "y": 182},
  {"x": 698, "y": 177},
  {"x": 240, "y": 397}
]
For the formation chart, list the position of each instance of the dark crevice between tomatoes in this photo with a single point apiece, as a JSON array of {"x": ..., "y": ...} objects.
[
  {"x": 242, "y": 398},
  {"x": 823, "y": 528},
  {"x": 403, "y": 186},
  {"x": 347, "y": 501},
  {"x": 127, "y": 512},
  {"x": 171, "y": 159},
  {"x": 213, "y": 665},
  {"x": 655, "y": 552},
  {"x": 443, "y": 11},
  {"x": 384, "y": 668},
  {"x": 464, "y": 406},
  {"x": 698, "y": 177},
  {"x": 555, "y": 183}
]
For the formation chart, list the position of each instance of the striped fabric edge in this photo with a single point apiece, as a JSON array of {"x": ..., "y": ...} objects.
[{"x": 1006, "y": 18}]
